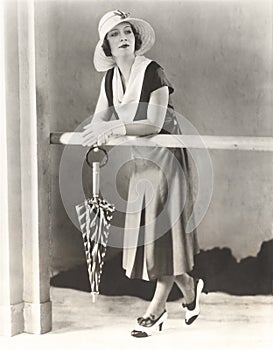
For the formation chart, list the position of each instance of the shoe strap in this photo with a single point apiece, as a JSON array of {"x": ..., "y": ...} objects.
[
  {"x": 149, "y": 321},
  {"x": 191, "y": 306}
]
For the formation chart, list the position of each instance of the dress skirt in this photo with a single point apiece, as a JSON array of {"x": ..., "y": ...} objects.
[{"x": 159, "y": 205}]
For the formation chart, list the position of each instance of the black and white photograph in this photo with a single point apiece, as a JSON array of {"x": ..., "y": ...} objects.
[{"x": 136, "y": 174}]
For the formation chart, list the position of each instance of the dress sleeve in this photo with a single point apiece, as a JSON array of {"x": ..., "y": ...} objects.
[{"x": 156, "y": 78}]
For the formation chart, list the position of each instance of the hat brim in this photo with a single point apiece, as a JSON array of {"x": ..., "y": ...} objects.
[{"x": 102, "y": 63}]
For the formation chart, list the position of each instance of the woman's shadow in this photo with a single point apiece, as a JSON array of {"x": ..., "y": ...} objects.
[{"x": 218, "y": 267}]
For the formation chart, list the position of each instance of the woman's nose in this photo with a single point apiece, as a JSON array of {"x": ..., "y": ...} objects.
[{"x": 123, "y": 37}]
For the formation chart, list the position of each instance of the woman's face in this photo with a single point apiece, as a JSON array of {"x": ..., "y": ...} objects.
[{"x": 121, "y": 40}]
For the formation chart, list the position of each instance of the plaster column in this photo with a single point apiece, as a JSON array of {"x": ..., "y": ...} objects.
[
  {"x": 11, "y": 270},
  {"x": 35, "y": 169}
]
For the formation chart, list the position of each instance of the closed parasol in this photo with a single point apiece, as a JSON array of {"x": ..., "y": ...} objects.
[{"x": 94, "y": 216}]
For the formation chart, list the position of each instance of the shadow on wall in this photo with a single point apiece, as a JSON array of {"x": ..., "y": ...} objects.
[{"x": 220, "y": 270}]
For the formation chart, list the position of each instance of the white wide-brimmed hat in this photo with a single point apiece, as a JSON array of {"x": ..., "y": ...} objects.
[{"x": 101, "y": 62}]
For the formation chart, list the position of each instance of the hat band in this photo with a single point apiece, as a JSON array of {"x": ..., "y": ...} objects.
[{"x": 117, "y": 17}]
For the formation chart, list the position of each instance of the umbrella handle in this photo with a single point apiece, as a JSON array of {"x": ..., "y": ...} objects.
[
  {"x": 96, "y": 149},
  {"x": 96, "y": 178}
]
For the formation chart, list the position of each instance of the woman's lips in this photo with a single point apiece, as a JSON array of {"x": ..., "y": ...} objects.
[{"x": 124, "y": 46}]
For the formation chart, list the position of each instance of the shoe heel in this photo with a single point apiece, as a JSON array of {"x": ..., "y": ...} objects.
[
  {"x": 192, "y": 314},
  {"x": 142, "y": 331}
]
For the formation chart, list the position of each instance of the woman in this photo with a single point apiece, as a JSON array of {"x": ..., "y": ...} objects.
[{"x": 136, "y": 92}]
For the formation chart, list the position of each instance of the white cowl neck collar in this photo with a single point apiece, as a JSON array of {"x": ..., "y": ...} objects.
[{"x": 126, "y": 103}]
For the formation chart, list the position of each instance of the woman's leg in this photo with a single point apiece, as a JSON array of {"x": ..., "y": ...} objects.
[
  {"x": 163, "y": 287},
  {"x": 186, "y": 284}
]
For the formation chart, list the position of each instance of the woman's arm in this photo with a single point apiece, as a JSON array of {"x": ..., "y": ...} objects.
[
  {"x": 100, "y": 129},
  {"x": 156, "y": 113},
  {"x": 102, "y": 110}
]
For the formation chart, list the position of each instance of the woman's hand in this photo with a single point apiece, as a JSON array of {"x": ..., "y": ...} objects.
[{"x": 99, "y": 132}]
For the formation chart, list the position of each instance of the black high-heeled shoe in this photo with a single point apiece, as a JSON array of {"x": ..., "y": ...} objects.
[
  {"x": 193, "y": 309},
  {"x": 149, "y": 325}
]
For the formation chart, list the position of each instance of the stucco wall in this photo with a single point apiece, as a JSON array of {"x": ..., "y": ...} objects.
[{"x": 218, "y": 55}]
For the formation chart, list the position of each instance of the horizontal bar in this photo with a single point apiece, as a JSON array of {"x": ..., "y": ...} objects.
[{"x": 243, "y": 143}]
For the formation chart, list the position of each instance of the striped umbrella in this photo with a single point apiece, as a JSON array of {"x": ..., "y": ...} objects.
[{"x": 94, "y": 216}]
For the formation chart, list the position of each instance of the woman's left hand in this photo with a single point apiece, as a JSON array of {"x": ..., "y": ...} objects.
[
  {"x": 95, "y": 133},
  {"x": 98, "y": 133}
]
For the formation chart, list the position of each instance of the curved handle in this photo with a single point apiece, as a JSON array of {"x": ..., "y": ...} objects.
[{"x": 96, "y": 149}]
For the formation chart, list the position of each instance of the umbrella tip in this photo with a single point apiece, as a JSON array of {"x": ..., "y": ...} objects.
[{"x": 94, "y": 296}]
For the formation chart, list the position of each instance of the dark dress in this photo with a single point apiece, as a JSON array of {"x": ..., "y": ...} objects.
[{"x": 159, "y": 197}]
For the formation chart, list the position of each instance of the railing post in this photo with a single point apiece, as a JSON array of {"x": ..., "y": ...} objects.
[
  {"x": 11, "y": 271},
  {"x": 34, "y": 169}
]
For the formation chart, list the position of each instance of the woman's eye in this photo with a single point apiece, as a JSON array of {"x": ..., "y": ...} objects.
[
  {"x": 128, "y": 31},
  {"x": 113, "y": 34}
]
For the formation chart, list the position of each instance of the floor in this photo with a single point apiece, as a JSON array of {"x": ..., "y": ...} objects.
[{"x": 225, "y": 322}]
